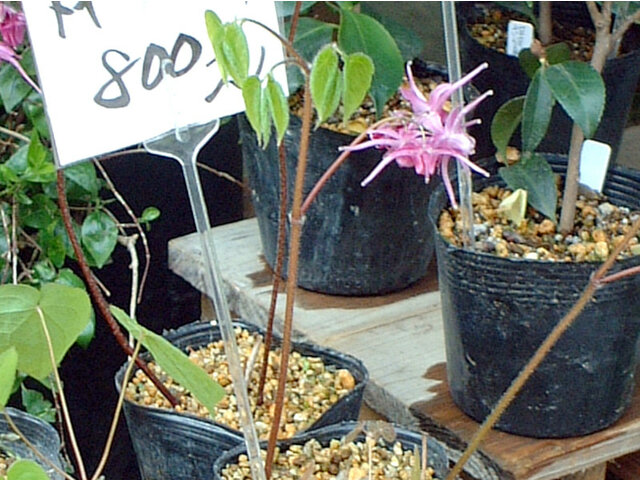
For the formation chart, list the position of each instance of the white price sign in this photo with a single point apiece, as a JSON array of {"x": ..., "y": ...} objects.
[{"x": 99, "y": 65}]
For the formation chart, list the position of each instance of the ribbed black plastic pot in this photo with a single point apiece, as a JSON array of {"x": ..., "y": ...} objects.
[
  {"x": 436, "y": 453},
  {"x": 507, "y": 80},
  {"x": 176, "y": 446},
  {"x": 497, "y": 311},
  {"x": 42, "y": 435},
  {"x": 355, "y": 240}
]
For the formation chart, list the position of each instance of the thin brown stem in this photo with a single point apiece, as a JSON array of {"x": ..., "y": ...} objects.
[
  {"x": 541, "y": 353},
  {"x": 222, "y": 174},
  {"x": 96, "y": 294},
  {"x": 277, "y": 275},
  {"x": 292, "y": 275},
  {"x": 294, "y": 21}
]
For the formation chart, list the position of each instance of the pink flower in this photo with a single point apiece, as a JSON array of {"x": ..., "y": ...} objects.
[
  {"x": 429, "y": 136},
  {"x": 8, "y": 54},
  {"x": 12, "y": 26}
]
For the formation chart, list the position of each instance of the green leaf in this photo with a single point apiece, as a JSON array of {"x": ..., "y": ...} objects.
[
  {"x": 150, "y": 214},
  {"x": 40, "y": 167},
  {"x": 326, "y": 83},
  {"x": 558, "y": 53},
  {"x": 278, "y": 106},
  {"x": 215, "y": 30},
  {"x": 44, "y": 271},
  {"x": 34, "y": 109},
  {"x": 534, "y": 175},
  {"x": 13, "y": 88},
  {"x": 409, "y": 42},
  {"x": 286, "y": 9},
  {"x": 36, "y": 405},
  {"x": 175, "y": 362},
  {"x": 357, "y": 74},
  {"x": 82, "y": 181},
  {"x": 26, "y": 470},
  {"x": 53, "y": 245},
  {"x": 252, "y": 96},
  {"x": 504, "y": 123},
  {"x": 579, "y": 88},
  {"x": 361, "y": 33},
  {"x": 236, "y": 53},
  {"x": 40, "y": 213},
  {"x": 536, "y": 112},
  {"x": 99, "y": 235},
  {"x": 66, "y": 311},
  {"x": 18, "y": 161},
  {"x": 8, "y": 366},
  {"x": 528, "y": 62},
  {"x": 311, "y": 36}
]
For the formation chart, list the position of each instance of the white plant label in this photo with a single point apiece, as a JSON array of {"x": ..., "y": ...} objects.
[
  {"x": 99, "y": 66},
  {"x": 594, "y": 162},
  {"x": 519, "y": 37}
]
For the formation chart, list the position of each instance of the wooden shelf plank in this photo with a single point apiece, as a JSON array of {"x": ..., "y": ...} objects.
[{"x": 400, "y": 339}]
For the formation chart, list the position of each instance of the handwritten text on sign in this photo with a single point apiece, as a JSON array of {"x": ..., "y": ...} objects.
[{"x": 100, "y": 68}]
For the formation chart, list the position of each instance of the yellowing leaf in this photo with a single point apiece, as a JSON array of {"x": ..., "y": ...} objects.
[{"x": 514, "y": 207}]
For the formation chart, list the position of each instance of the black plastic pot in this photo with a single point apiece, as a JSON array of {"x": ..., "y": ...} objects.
[
  {"x": 355, "y": 240},
  {"x": 175, "y": 446},
  {"x": 507, "y": 80},
  {"x": 42, "y": 435},
  {"x": 436, "y": 453},
  {"x": 497, "y": 311}
]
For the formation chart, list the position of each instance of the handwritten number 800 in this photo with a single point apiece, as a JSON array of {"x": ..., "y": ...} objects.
[{"x": 153, "y": 52}]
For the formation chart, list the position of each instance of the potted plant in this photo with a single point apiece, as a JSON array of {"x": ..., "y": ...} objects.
[
  {"x": 340, "y": 253},
  {"x": 498, "y": 309},
  {"x": 482, "y": 27}
]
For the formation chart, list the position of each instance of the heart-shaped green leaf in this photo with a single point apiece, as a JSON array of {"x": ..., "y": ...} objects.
[
  {"x": 579, "y": 88},
  {"x": 357, "y": 74},
  {"x": 252, "y": 95},
  {"x": 536, "y": 112},
  {"x": 361, "y": 33},
  {"x": 534, "y": 175},
  {"x": 311, "y": 36},
  {"x": 99, "y": 235},
  {"x": 215, "y": 30},
  {"x": 26, "y": 470},
  {"x": 236, "y": 53},
  {"x": 326, "y": 83},
  {"x": 66, "y": 311},
  {"x": 175, "y": 362}
]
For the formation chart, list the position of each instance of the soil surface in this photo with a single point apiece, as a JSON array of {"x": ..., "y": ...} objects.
[
  {"x": 349, "y": 460},
  {"x": 600, "y": 226},
  {"x": 312, "y": 387}
]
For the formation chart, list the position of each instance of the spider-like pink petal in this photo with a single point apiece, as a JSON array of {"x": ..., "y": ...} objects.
[
  {"x": 12, "y": 26},
  {"x": 428, "y": 138},
  {"x": 8, "y": 54}
]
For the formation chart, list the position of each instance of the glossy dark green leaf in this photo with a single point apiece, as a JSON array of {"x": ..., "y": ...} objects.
[
  {"x": 361, "y": 33},
  {"x": 34, "y": 109},
  {"x": 252, "y": 95},
  {"x": 35, "y": 404},
  {"x": 215, "y": 30},
  {"x": 236, "y": 53},
  {"x": 8, "y": 366},
  {"x": 99, "y": 235},
  {"x": 536, "y": 112},
  {"x": 504, "y": 123},
  {"x": 579, "y": 88},
  {"x": 278, "y": 106},
  {"x": 18, "y": 161},
  {"x": 86, "y": 336},
  {"x": 82, "y": 181},
  {"x": 26, "y": 470},
  {"x": 44, "y": 271},
  {"x": 174, "y": 362},
  {"x": 556, "y": 53},
  {"x": 534, "y": 175},
  {"x": 409, "y": 42},
  {"x": 40, "y": 213},
  {"x": 65, "y": 310},
  {"x": 357, "y": 76},
  {"x": 13, "y": 88},
  {"x": 52, "y": 245},
  {"x": 325, "y": 83}
]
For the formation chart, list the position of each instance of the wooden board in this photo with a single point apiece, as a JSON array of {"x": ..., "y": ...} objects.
[{"x": 400, "y": 339}]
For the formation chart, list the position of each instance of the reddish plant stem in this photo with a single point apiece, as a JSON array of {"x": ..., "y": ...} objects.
[
  {"x": 277, "y": 275},
  {"x": 540, "y": 354},
  {"x": 292, "y": 274},
  {"x": 98, "y": 298}
]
